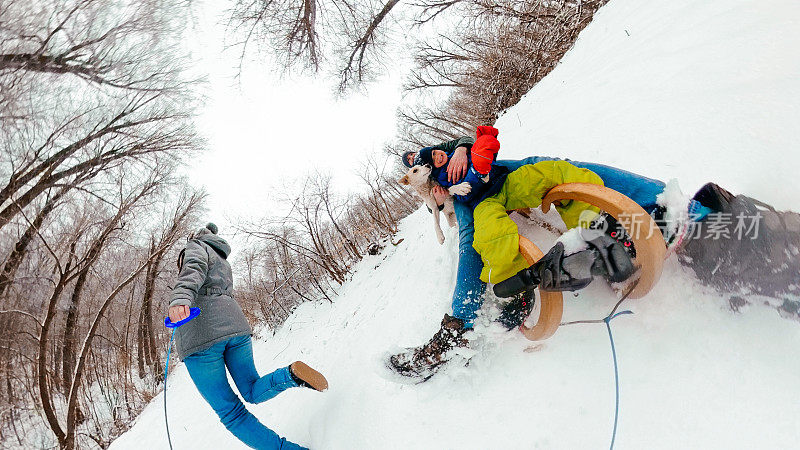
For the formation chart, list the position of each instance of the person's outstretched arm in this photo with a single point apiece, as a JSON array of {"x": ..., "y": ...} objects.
[
  {"x": 459, "y": 162},
  {"x": 190, "y": 279}
]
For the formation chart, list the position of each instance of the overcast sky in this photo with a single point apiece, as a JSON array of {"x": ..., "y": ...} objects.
[{"x": 263, "y": 131}]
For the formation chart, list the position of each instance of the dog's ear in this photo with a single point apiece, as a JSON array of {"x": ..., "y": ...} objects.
[{"x": 404, "y": 180}]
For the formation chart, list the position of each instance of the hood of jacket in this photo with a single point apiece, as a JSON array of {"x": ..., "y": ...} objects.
[{"x": 216, "y": 242}]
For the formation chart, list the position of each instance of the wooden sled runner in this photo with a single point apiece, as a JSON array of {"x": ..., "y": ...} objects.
[
  {"x": 552, "y": 303},
  {"x": 646, "y": 237}
]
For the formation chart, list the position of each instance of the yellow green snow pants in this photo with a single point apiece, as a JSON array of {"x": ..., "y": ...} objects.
[{"x": 497, "y": 236}]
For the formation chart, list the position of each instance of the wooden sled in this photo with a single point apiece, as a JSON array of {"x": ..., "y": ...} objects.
[
  {"x": 552, "y": 303},
  {"x": 646, "y": 237}
]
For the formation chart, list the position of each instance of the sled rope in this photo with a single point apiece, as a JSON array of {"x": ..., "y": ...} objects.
[
  {"x": 607, "y": 320},
  {"x": 193, "y": 312},
  {"x": 166, "y": 371}
]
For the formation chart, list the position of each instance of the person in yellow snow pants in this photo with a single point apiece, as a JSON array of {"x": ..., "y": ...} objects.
[{"x": 497, "y": 236}]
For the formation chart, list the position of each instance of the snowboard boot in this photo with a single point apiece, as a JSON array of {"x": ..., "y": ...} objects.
[
  {"x": 422, "y": 362},
  {"x": 710, "y": 199},
  {"x": 714, "y": 197},
  {"x": 558, "y": 272},
  {"x": 517, "y": 310},
  {"x": 674, "y": 230},
  {"x": 746, "y": 247},
  {"x": 305, "y": 376}
]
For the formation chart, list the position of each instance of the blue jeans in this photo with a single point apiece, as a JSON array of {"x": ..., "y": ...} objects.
[
  {"x": 207, "y": 369},
  {"x": 468, "y": 294}
]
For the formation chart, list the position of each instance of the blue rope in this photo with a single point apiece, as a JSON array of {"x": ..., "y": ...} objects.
[
  {"x": 193, "y": 312},
  {"x": 166, "y": 370},
  {"x": 607, "y": 320}
]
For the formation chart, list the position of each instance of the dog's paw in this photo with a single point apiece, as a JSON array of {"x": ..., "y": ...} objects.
[{"x": 460, "y": 189}]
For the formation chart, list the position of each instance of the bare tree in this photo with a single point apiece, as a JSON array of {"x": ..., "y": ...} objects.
[
  {"x": 95, "y": 115},
  {"x": 309, "y": 251},
  {"x": 71, "y": 267},
  {"x": 289, "y": 28},
  {"x": 95, "y": 41},
  {"x": 15, "y": 258},
  {"x": 498, "y": 51},
  {"x": 187, "y": 207},
  {"x": 333, "y": 210},
  {"x": 487, "y": 54},
  {"x": 130, "y": 101},
  {"x": 362, "y": 48},
  {"x": 300, "y": 33},
  {"x": 143, "y": 127}
]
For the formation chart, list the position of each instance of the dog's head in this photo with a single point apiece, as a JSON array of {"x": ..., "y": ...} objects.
[{"x": 416, "y": 176}]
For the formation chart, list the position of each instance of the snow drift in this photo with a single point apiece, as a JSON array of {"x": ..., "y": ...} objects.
[{"x": 694, "y": 90}]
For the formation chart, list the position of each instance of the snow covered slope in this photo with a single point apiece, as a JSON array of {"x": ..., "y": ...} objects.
[
  {"x": 686, "y": 89},
  {"x": 697, "y": 90}
]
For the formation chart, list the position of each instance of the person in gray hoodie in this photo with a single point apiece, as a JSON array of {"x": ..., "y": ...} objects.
[{"x": 220, "y": 337}]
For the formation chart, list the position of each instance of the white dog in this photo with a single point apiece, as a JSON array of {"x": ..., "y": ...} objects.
[{"x": 419, "y": 177}]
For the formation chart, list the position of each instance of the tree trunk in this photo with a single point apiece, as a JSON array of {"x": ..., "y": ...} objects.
[
  {"x": 12, "y": 263},
  {"x": 141, "y": 344},
  {"x": 70, "y": 325},
  {"x": 44, "y": 388},
  {"x": 147, "y": 315},
  {"x": 67, "y": 441}
]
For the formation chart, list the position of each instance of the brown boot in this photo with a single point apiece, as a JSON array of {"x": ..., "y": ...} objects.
[
  {"x": 305, "y": 376},
  {"x": 423, "y": 361}
]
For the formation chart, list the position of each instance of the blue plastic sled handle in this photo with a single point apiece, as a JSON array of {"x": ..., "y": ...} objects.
[{"x": 193, "y": 312}]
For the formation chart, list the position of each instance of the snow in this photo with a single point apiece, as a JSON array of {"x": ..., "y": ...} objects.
[
  {"x": 677, "y": 214},
  {"x": 573, "y": 240},
  {"x": 691, "y": 90},
  {"x": 686, "y": 89}
]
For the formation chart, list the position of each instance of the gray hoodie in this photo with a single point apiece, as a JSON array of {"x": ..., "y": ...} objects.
[{"x": 205, "y": 281}]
